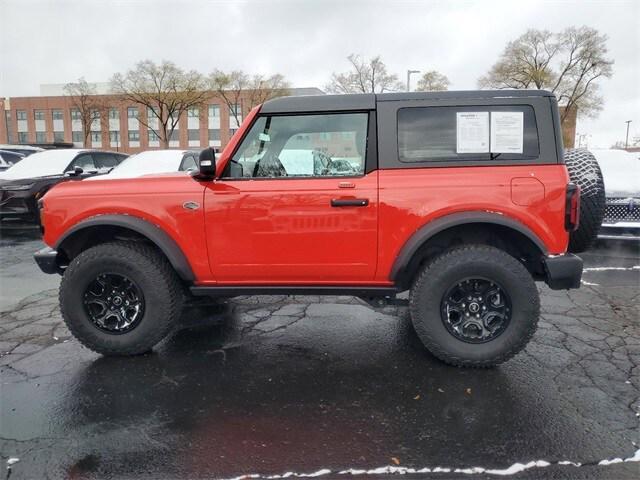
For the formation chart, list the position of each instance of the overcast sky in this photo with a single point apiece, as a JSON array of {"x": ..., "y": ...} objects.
[{"x": 57, "y": 41}]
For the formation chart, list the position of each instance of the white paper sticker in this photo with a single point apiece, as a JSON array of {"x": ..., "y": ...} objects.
[
  {"x": 472, "y": 132},
  {"x": 507, "y": 132},
  {"x": 263, "y": 137}
]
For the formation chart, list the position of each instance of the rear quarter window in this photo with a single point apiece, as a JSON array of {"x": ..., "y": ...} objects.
[{"x": 430, "y": 134}]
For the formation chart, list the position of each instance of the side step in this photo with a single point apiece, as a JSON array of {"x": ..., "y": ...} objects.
[
  {"x": 381, "y": 302},
  {"x": 238, "y": 290}
]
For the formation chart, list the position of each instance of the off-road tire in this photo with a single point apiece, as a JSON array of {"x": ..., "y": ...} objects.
[
  {"x": 585, "y": 172},
  {"x": 431, "y": 284},
  {"x": 154, "y": 276}
]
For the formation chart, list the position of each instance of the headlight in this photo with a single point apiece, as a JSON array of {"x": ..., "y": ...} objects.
[{"x": 13, "y": 188}]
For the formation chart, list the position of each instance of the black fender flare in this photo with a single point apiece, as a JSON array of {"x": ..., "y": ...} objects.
[
  {"x": 438, "y": 225},
  {"x": 153, "y": 233}
]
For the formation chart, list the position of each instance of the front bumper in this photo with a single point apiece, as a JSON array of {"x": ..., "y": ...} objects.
[
  {"x": 17, "y": 206},
  {"x": 47, "y": 260},
  {"x": 620, "y": 231},
  {"x": 563, "y": 271}
]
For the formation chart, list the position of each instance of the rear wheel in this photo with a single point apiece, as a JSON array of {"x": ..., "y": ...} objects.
[
  {"x": 120, "y": 298},
  {"x": 474, "y": 306},
  {"x": 585, "y": 172}
]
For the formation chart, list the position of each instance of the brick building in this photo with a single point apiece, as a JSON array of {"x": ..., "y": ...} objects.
[
  {"x": 53, "y": 119},
  {"x": 569, "y": 128},
  {"x": 46, "y": 120}
]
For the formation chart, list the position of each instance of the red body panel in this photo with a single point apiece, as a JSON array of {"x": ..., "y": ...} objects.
[
  {"x": 285, "y": 231},
  {"x": 272, "y": 231},
  {"x": 157, "y": 199},
  {"x": 411, "y": 198}
]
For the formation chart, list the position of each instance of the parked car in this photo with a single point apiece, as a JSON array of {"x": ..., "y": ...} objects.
[
  {"x": 25, "y": 150},
  {"x": 8, "y": 158},
  {"x": 621, "y": 172},
  {"x": 463, "y": 198},
  {"x": 24, "y": 183},
  {"x": 153, "y": 161}
]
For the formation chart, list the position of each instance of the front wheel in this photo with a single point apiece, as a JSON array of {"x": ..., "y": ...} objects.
[
  {"x": 474, "y": 306},
  {"x": 120, "y": 298}
]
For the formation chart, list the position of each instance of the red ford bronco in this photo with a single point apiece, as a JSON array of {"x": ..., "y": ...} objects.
[{"x": 463, "y": 198}]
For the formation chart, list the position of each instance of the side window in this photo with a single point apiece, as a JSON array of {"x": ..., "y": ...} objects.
[
  {"x": 105, "y": 160},
  {"x": 188, "y": 163},
  {"x": 84, "y": 161},
  {"x": 474, "y": 133},
  {"x": 302, "y": 146}
]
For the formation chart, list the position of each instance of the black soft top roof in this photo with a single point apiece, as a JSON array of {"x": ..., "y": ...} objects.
[{"x": 367, "y": 101}]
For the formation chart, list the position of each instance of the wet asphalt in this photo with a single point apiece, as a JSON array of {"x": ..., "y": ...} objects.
[{"x": 270, "y": 385}]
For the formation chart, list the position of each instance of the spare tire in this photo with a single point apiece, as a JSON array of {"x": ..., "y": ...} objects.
[{"x": 585, "y": 172}]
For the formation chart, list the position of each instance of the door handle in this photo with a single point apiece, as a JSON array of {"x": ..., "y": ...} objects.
[{"x": 349, "y": 202}]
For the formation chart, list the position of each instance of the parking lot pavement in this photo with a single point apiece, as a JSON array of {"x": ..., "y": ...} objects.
[{"x": 325, "y": 386}]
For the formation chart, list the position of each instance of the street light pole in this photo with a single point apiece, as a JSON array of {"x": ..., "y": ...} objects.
[
  {"x": 626, "y": 141},
  {"x": 409, "y": 72}
]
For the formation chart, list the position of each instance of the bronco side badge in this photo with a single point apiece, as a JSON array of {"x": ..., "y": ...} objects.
[{"x": 191, "y": 205}]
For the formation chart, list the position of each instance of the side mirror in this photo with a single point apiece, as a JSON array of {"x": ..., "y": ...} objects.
[
  {"x": 76, "y": 172},
  {"x": 207, "y": 160}
]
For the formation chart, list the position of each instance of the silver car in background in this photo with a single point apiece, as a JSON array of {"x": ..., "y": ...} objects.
[{"x": 621, "y": 173}]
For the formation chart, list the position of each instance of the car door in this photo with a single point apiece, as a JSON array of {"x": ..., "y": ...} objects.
[{"x": 281, "y": 215}]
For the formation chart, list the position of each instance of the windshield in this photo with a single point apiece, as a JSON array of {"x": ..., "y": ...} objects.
[
  {"x": 146, "y": 163},
  {"x": 41, "y": 164}
]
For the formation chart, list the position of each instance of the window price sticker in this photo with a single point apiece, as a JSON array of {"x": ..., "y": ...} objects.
[
  {"x": 472, "y": 135},
  {"x": 507, "y": 132}
]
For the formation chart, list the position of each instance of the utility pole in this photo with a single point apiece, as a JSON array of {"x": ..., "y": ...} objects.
[
  {"x": 409, "y": 72},
  {"x": 626, "y": 141}
]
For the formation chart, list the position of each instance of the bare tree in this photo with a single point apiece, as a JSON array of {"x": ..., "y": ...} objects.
[
  {"x": 241, "y": 91},
  {"x": 364, "y": 76},
  {"x": 568, "y": 64},
  {"x": 91, "y": 107},
  {"x": 433, "y": 81},
  {"x": 165, "y": 90}
]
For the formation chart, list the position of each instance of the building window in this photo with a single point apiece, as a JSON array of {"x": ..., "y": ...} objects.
[
  {"x": 22, "y": 137},
  {"x": 95, "y": 114},
  {"x": 151, "y": 113},
  {"x": 194, "y": 135},
  {"x": 193, "y": 112},
  {"x": 41, "y": 137},
  {"x": 21, "y": 115},
  {"x": 77, "y": 137},
  {"x": 132, "y": 112},
  {"x": 38, "y": 114},
  {"x": 114, "y": 114},
  {"x": 153, "y": 136},
  {"x": 214, "y": 110},
  {"x": 58, "y": 136},
  {"x": 114, "y": 136},
  {"x": 175, "y": 136},
  {"x": 56, "y": 114},
  {"x": 75, "y": 114},
  {"x": 96, "y": 137},
  {"x": 7, "y": 117},
  {"x": 235, "y": 110},
  {"x": 214, "y": 134},
  {"x": 232, "y": 131},
  {"x": 134, "y": 135}
]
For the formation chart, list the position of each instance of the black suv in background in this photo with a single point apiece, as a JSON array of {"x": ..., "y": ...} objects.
[{"x": 27, "y": 181}]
